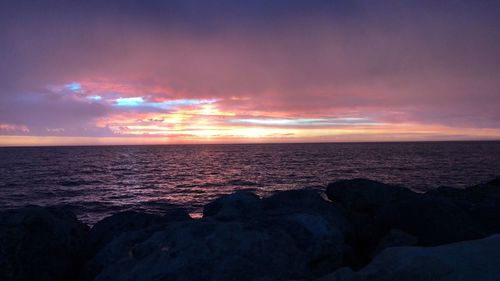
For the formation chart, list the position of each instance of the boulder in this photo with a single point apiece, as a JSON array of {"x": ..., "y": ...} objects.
[
  {"x": 240, "y": 237},
  {"x": 365, "y": 196},
  {"x": 321, "y": 242},
  {"x": 432, "y": 220},
  {"x": 108, "y": 228},
  {"x": 121, "y": 231},
  {"x": 241, "y": 204},
  {"x": 41, "y": 244},
  {"x": 484, "y": 194},
  {"x": 469, "y": 260},
  {"x": 342, "y": 274},
  {"x": 395, "y": 238},
  {"x": 246, "y": 206},
  {"x": 438, "y": 217},
  {"x": 319, "y": 227},
  {"x": 363, "y": 200},
  {"x": 208, "y": 249},
  {"x": 481, "y": 201},
  {"x": 305, "y": 201}
]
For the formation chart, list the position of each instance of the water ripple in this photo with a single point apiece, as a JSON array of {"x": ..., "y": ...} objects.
[{"x": 98, "y": 181}]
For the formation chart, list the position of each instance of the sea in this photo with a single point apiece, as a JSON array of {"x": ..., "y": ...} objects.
[{"x": 97, "y": 181}]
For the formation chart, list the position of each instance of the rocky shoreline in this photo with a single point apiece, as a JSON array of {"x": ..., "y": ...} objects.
[{"x": 357, "y": 230}]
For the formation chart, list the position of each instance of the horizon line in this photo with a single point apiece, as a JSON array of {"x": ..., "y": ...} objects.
[{"x": 248, "y": 143}]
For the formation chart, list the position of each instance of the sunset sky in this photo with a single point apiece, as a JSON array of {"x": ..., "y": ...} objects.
[{"x": 144, "y": 72}]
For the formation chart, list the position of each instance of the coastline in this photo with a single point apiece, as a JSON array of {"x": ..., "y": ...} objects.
[{"x": 354, "y": 230}]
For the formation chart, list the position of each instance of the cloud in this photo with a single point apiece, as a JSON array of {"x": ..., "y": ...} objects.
[{"x": 101, "y": 68}]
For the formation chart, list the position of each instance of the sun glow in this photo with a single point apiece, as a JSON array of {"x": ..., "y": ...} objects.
[{"x": 148, "y": 118}]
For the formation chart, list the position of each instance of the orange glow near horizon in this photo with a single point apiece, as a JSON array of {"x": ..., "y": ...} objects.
[
  {"x": 209, "y": 135},
  {"x": 149, "y": 120}
]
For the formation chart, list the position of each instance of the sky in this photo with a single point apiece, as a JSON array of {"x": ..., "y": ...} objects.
[{"x": 153, "y": 72}]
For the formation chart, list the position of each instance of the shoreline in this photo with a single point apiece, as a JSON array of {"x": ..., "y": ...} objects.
[{"x": 352, "y": 230}]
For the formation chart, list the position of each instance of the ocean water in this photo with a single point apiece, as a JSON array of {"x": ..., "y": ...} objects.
[{"x": 101, "y": 180}]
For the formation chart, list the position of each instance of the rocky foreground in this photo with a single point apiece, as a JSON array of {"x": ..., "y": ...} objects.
[{"x": 358, "y": 230}]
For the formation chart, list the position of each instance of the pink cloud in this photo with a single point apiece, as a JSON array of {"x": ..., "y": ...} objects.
[{"x": 407, "y": 71}]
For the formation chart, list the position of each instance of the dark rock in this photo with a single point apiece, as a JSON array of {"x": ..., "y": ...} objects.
[
  {"x": 342, "y": 274},
  {"x": 448, "y": 192},
  {"x": 240, "y": 204},
  {"x": 106, "y": 229},
  {"x": 291, "y": 235},
  {"x": 365, "y": 196},
  {"x": 321, "y": 242},
  {"x": 305, "y": 201},
  {"x": 363, "y": 200},
  {"x": 126, "y": 228},
  {"x": 484, "y": 194},
  {"x": 244, "y": 205},
  {"x": 40, "y": 244},
  {"x": 395, "y": 238},
  {"x": 318, "y": 226},
  {"x": 481, "y": 201},
  {"x": 470, "y": 260},
  {"x": 438, "y": 217},
  {"x": 121, "y": 245},
  {"x": 208, "y": 249},
  {"x": 433, "y": 220},
  {"x": 488, "y": 193}
]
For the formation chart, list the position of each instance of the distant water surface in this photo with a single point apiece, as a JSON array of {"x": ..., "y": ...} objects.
[{"x": 100, "y": 180}]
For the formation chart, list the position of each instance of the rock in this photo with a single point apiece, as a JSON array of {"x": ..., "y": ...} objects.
[
  {"x": 321, "y": 241},
  {"x": 488, "y": 193},
  {"x": 241, "y": 204},
  {"x": 363, "y": 200},
  {"x": 318, "y": 226},
  {"x": 111, "y": 252},
  {"x": 365, "y": 196},
  {"x": 40, "y": 244},
  {"x": 395, "y": 238},
  {"x": 126, "y": 228},
  {"x": 469, "y": 260},
  {"x": 208, "y": 249},
  {"x": 484, "y": 194},
  {"x": 106, "y": 229},
  {"x": 448, "y": 192},
  {"x": 305, "y": 201},
  {"x": 433, "y": 220},
  {"x": 438, "y": 217},
  {"x": 481, "y": 201},
  {"x": 240, "y": 237},
  {"x": 342, "y": 274}
]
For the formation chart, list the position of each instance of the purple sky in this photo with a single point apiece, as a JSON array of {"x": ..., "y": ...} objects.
[{"x": 94, "y": 72}]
